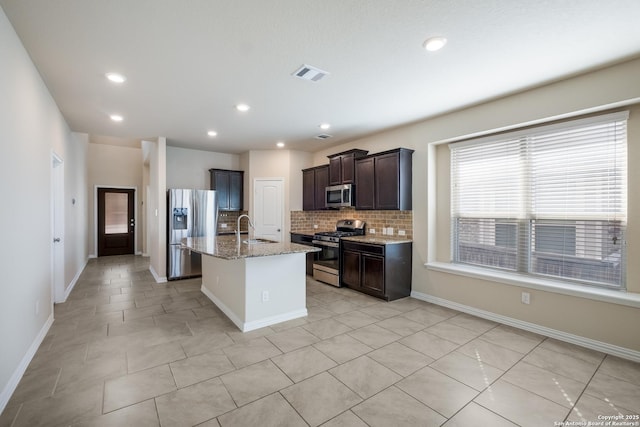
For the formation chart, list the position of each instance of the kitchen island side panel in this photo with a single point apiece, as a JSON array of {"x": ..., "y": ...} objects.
[
  {"x": 256, "y": 292},
  {"x": 224, "y": 280},
  {"x": 283, "y": 278}
]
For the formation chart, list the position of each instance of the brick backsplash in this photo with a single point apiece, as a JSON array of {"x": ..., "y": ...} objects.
[
  {"x": 326, "y": 220},
  {"x": 231, "y": 219}
]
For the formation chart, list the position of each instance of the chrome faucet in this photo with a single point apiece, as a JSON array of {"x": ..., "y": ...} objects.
[{"x": 238, "y": 226}]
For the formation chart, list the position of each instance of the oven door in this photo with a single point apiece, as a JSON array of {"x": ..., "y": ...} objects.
[{"x": 326, "y": 267}]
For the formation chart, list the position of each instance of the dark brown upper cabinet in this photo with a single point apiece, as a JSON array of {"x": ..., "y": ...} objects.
[
  {"x": 365, "y": 190},
  {"x": 341, "y": 166},
  {"x": 383, "y": 180},
  {"x": 314, "y": 183},
  {"x": 229, "y": 186}
]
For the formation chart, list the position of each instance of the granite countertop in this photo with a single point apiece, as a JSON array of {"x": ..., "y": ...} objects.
[
  {"x": 230, "y": 232},
  {"x": 227, "y": 247},
  {"x": 378, "y": 239}
]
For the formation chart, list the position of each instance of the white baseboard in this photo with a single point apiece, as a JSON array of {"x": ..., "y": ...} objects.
[
  {"x": 262, "y": 323},
  {"x": 226, "y": 310},
  {"x": 623, "y": 352},
  {"x": 158, "y": 279},
  {"x": 72, "y": 285},
  {"x": 93, "y": 256},
  {"x": 10, "y": 387},
  {"x": 256, "y": 324},
  {"x": 144, "y": 254}
]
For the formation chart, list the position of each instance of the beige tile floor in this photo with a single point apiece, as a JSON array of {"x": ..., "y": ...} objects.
[{"x": 125, "y": 351}]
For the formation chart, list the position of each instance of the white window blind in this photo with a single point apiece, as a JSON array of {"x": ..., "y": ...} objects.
[{"x": 544, "y": 201}]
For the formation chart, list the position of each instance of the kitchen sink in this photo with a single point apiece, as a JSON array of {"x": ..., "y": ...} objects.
[{"x": 257, "y": 241}]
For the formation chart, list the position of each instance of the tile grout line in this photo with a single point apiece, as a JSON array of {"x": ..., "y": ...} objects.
[
  {"x": 15, "y": 417},
  {"x": 522, "y": 388},
  {"x": 584, "y": 390},
  {"x": 324, "y": 306}
]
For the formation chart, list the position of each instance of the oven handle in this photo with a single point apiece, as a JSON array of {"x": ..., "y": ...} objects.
[{"x": 323, "y": 243}]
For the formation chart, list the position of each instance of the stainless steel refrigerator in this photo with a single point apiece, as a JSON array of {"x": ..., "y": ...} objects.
[{"x": 192, "y": 213}]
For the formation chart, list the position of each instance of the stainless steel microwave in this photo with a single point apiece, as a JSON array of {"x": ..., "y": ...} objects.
[{"x": 338, "y": 196}]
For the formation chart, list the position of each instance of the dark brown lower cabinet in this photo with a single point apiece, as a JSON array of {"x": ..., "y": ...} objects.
[
  {"x": 351, "y": 269},
  {"x": 373, "y": 274},
  {"x": 305, "y": 239},
  {"x": 383, "y": 271}
]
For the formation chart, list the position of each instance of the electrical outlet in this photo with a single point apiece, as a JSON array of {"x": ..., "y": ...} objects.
[
  {"x": 402, "y": 233},
  {"x": 372, "y": 231},
  {"x": 315, "y": 226},
  {"x": 37, "y": 307},
  {"x": 526, "y": 298},
  {"x": 223, "y": 225},
  {"x": 265, "y": 296}
]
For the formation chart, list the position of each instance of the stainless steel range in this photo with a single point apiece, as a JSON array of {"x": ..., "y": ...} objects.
[{"x": 326, "y": 267}]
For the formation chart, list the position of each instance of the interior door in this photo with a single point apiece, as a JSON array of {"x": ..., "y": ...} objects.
[
  {"x": 57, "y": 222},
  {"x": 116, "y": 221},
  {"x": 268, "y": 207}
]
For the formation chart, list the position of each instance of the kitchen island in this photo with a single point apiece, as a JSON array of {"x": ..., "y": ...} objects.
[{"x": 255, "y": 284}]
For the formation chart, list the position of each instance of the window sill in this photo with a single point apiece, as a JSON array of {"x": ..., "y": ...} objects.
[{"x": 605, "y": 295}]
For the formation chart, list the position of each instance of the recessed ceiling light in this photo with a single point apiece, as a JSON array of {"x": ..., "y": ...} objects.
[
  {"x": 280, "y": 144},
  {"x": 325, "y": 126},
  {"x": 212, "y": 133},
  {"x": 116, "y": 78},
  {"x": 242, "y": 107},
  {"x": 116, "y": 117},
  {"x": 434, "y": 43}
]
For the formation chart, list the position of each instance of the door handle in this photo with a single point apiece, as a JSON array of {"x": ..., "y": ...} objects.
[
  {"x": 56, "y": 240},
  {"x": 278, "y": 230}
]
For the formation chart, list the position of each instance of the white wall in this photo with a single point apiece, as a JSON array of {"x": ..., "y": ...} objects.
[
  {"x": 190, "y": 168},
  {"x": 602, "y": 89},
  {"x": 31, "y": 127},
  {"x": 76, "y": 227},
  {"x": 114, "y": 166},
  {"x": 144, "y": 217},
  {"x": 157, "y": 205}
]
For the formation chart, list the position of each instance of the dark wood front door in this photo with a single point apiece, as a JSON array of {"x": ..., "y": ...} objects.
[{"x": 116, "y": 221}]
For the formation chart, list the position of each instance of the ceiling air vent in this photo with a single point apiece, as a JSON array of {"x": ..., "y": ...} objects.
[
  {"x": 323, "y": 136},
  {"x": 308, "y": 72}
]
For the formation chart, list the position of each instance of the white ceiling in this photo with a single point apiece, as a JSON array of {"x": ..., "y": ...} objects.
[{"x": 188, "y": 63}]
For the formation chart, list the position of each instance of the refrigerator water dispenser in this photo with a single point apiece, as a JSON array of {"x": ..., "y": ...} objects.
[{"x": 180, "y": 218}]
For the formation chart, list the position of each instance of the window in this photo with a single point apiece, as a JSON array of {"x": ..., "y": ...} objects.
[{"x": 547, "y": 201}]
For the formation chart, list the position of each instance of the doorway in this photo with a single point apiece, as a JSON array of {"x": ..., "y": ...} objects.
[
  {"x": 268, "y": 207},
  {"x": 116, "y": 221}
]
